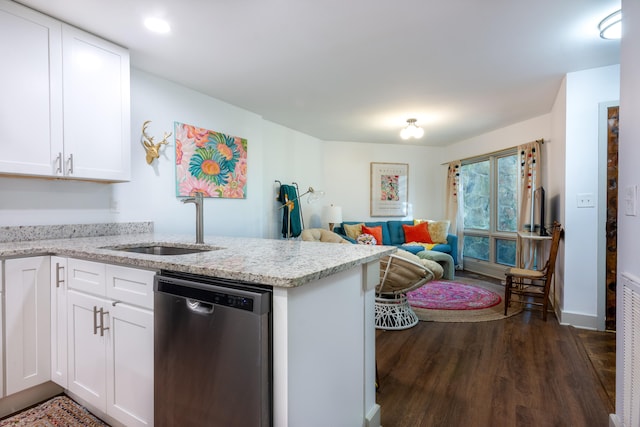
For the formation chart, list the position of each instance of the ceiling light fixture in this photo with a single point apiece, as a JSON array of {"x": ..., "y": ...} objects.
[
  {"x": 611, "y": 26},
  {"x": 157, "y": 25},
  {"x": 412, "y": 130}
]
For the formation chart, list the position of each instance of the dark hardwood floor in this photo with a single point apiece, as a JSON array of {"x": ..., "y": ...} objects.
[{"x": 515, "y": 372}]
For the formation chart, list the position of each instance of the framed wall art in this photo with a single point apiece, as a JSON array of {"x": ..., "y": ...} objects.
[
  {"x": 389, "y": 189},
  {"x": 210, "y": 162}
]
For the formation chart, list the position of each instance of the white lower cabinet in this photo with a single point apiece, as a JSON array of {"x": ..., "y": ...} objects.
[
  {"x": 130, "y": 365},
  {"x": 85, "y": 325},
  {"x": 87, "y": 349},
  {"x": 1, "y": 327},
  {"x": 59, "y": 321},
  {"x": 110, "y": 342},
  {"x": 27, "y": 316}
]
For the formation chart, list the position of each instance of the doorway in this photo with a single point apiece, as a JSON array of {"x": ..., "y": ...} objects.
[
  {"x": 607, "y": 214},
  {"x": 611, "y": 259}
]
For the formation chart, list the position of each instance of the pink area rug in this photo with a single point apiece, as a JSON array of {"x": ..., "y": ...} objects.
[{"x": 448, "y": 295}]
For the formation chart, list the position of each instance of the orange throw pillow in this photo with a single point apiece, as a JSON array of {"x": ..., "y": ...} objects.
[
  {"x": 374, "y": 231},
  {"x": 417, "y": 233}
]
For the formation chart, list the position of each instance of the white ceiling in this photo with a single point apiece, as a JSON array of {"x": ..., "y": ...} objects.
[{"x": 355, "y": 70}]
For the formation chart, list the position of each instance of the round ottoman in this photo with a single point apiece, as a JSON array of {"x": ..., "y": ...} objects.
[{"x": 445, "y": 260}]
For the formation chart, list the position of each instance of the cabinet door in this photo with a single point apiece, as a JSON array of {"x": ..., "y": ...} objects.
[
  {"x": 59, "y": 321},
  {"x": 130, "y": 366},
  {"x": 28, "y": 335},
  {"x": 1, "y": 326},
  {"x": 31, "y": 88},
  {"x": 86, "y": 347},
  {"x": 96, "y": 107}
]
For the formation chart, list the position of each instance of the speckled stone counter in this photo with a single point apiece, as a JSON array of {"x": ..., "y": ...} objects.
[
  {"x": 282, "y": 263},
  {"x": 68, "y": 231}
]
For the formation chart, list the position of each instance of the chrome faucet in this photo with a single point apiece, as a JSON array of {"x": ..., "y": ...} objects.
[{"x": 197, "y": 200}]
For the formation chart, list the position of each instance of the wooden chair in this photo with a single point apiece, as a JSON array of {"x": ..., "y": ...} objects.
[
  {"x": 533, "y": 284},
  {"x": 398, "y": 275}
]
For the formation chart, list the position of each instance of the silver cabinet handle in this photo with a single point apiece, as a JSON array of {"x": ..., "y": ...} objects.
[
  {"x": 102, "y": 327},
  {"x": 58, "y": 279},
  {"x": 59, "y": 162},
  {"x": 70, "y": 163},
  {"x": 95, "y": 320}
]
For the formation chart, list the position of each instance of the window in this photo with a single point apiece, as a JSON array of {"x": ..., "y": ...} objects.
[{"x": 490, "y": 194}]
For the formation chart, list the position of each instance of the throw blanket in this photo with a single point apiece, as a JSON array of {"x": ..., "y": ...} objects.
[
  {"x": 427, "y": 246},
  {"x": 291, "y": 223}
]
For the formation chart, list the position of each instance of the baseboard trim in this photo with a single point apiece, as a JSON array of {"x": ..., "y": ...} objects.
[
  {"x": 481, "y": 267},
  {"x": 615, "y": 421},
  {"x": 579, "y": 320},
  {"x": 373, "y": 417},
  {"x": 23, "y": 399}
]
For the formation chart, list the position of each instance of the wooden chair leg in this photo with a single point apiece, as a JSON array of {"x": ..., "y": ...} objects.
[
  {"x": 507, "y": 294},
  {"x": 545, "y": 303}
]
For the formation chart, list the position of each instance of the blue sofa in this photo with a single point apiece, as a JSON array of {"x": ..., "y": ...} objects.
[{"x": 393, "y": 235}]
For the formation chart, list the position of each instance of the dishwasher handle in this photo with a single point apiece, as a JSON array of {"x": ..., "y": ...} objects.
[{"x": 199, "y": 306}]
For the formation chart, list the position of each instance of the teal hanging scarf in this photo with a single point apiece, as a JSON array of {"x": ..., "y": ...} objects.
[{"x": 291, "y": 220}]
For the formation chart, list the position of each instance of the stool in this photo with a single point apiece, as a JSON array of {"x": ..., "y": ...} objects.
[{"x": 445, "y": 260}]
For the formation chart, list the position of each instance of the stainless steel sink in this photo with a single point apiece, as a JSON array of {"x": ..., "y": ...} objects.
[{"x": 162, "y": 249}]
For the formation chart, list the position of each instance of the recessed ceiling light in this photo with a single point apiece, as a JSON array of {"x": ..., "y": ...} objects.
[{"x": 157, "y": 25}]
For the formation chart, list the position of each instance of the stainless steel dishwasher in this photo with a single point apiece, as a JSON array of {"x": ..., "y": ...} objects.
[{"x": 212, "y": 352}]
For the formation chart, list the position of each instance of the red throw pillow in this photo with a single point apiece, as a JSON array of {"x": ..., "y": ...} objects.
[
  {"x": 417, "y": 233},
  {"x": 374, "y": 231}
]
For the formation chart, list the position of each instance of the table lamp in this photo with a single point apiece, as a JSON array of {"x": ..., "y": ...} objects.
[{"x": 333, "y": 215}]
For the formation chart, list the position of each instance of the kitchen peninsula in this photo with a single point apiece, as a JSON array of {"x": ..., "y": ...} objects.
[{"x": 323, "y": 322}]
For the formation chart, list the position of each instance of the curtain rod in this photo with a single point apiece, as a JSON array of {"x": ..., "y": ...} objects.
[{"x": 541, "y": 141}]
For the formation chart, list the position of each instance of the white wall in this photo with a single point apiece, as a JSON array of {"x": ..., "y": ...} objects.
[
  {"x": 628, "y": 175},
  {"x": 347, "y": 177},
  {"x": 151, "y": 194},
  {"x": 274, "y": 152},
  {"x": 500, "y": 139},
  {"x": 30, "y": 201},
  {"x": 555, "y": 179},
  {"x": 290, "y": 157},
  {"x": 585, "y": 90},
  {"x": 629, "y": 137}
]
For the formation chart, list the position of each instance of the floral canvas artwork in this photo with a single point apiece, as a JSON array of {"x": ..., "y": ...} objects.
[
  {"x": 209, "y": 162},
  {"x": 390, "y": 187}
]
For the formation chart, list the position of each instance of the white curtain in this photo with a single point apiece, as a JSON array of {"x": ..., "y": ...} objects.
[
  {"x": 530, "y": 177},
  {"x": 455, "y": 205}
]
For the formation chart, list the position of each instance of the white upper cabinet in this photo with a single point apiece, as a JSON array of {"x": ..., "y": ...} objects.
[
  {"x": 31, "y": 87},
  {"x": 96, "y": 107},
  {"x": 65, "y": 109}
]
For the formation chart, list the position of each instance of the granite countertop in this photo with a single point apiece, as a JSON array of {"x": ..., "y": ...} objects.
[{"x": 282, "y": 263}]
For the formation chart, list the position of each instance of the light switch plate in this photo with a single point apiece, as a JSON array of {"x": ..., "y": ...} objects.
[
  {"x": 630, "y": 200},
  {"x": 586, "y": 200}
]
